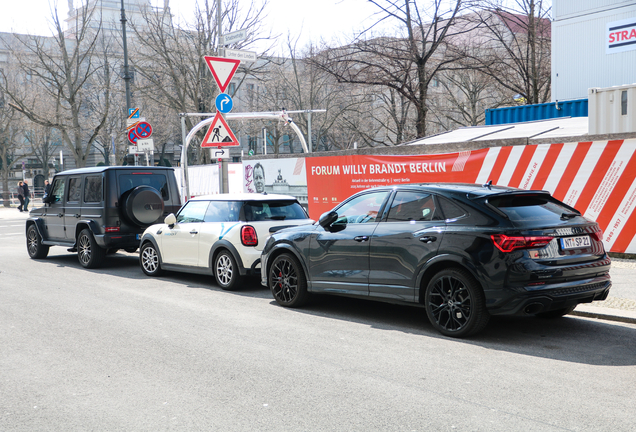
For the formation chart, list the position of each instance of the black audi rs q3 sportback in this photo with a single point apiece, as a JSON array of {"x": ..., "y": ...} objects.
[{"x": 462, "y": 251}]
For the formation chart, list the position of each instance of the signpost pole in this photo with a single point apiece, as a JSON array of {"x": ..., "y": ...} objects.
[
  {"x": 184, "y": 159},
  {"x": 223, "y": 183}
]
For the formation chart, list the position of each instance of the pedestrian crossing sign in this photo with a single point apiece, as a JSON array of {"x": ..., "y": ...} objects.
[{"x": 219, "y": 134}]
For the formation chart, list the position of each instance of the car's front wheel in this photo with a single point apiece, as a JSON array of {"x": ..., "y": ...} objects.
[
  {"x": 287, "y": 281},
  {"x": 34, "y": 244},
  {"x": 149, "y": 260},
  {"x": 226, "y": 271},
  {"x": 455, "y": 303},
  {"x": 89, "y": 254}
]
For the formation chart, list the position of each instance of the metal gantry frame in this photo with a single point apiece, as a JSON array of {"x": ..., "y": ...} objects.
[{"x": 269, "y": 115}]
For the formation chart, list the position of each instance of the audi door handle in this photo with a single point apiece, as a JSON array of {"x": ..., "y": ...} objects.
[
  {"x": 361, "y": 238},
  {"x": 77, "y": 215},
  {"x": 60, "y": 215},
  {"x": 428, "y": 239},
  {"x": 194, "y": 232}
]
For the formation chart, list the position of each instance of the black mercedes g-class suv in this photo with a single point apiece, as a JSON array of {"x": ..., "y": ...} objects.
[{"x": 95, "y": 211}]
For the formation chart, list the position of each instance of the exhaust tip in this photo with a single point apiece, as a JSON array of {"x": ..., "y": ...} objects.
[{"x": 533, "y": 308}]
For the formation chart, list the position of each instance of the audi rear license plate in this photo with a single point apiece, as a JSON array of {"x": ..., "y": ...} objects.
[{"x": 575, "y": 242}]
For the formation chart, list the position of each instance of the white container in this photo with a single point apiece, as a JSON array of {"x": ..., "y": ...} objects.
[{"x": 612, "y": 109}]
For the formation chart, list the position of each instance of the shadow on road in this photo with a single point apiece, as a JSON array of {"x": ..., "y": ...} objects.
[{"x": 570, "y": 339}]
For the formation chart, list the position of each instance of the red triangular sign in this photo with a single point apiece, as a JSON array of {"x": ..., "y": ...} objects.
[
  {"x": 222, "y": 69},
  {"x": 219, "y": 134}
]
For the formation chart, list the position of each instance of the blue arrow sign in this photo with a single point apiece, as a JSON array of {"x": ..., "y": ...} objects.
[{"x": 224, "y": 103}]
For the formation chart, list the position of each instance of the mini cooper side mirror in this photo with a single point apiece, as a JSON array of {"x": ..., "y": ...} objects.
[
  {"x": 170, "y": 220},
  {"x": 327, "y": 218}
]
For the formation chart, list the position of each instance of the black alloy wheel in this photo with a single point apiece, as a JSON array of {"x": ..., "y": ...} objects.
[
  {"x": 455, "y": 303},
  {"x": 34, "y": 244},
  {"x": 226, "y": 271},
  {"x": 89, "y": 254},
  {"x": 149, "y": 260},
  {"x": 287, "y": 281}
]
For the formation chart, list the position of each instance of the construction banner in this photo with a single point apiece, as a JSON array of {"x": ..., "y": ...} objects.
[{"x": 597, "y": 178}]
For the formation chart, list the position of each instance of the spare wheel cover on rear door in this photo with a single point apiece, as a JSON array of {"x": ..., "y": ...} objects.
[{"x": 144, "y": 205}]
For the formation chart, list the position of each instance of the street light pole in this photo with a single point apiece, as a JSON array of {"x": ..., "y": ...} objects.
[{"x": 126, "y": 70}]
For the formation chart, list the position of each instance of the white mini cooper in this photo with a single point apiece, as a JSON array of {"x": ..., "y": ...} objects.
[{"x": 219, "y": 234}]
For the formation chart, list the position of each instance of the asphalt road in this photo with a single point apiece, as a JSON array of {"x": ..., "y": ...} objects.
[{"x": 111, "y": 349}]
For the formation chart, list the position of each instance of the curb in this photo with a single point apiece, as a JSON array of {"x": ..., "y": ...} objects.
[{"x": 608, "y": 314}]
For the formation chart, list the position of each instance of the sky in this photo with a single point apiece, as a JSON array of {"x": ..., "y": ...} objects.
[{"x": 312, "y": 19}]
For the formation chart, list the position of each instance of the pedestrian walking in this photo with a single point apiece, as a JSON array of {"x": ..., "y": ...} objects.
[
  {"x": 25, "y": 187},
  {"x": 20, "y": 195},
  {"x": 47, "y": 188}
]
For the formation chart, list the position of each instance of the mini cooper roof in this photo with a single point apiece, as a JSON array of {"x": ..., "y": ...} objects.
[{"x": 243, "y": 197}]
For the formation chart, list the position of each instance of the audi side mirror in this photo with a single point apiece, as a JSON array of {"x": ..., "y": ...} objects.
[{"x": 327, "y": 218}]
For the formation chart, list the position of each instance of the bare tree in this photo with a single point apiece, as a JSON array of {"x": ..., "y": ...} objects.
[
  {"x": 406, "y": 63},
  {"x": 9, "y": 133},
  {"x": 517, "y": 46},
  {"x": 462, "y": 97},
  {"x": 65, "y": 70}
]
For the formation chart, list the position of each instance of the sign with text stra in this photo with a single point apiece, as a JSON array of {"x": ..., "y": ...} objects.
[
  {"x": 222, "y": 69},
  {"x": 219, "y": 134}
]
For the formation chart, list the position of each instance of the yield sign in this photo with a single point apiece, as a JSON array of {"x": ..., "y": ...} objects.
[
  {"x": 219, "y": 134},
  {"x": 223, "y": 70}
]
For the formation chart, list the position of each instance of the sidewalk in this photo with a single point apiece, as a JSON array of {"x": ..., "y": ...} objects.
[{"x": 620, "y": 305}]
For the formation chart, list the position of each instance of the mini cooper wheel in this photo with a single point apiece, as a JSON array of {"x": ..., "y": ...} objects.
[
  {"x": 89, "y": 254},
  {"x": 226, "y": 271},
  {"x": 149, "y": 260},
  {"x": 287, "y": 281},
  {"x": 455, "y": 303},
  {"x": 34, "y": 244}
]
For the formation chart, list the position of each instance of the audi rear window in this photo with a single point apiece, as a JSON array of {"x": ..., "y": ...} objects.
[
  {"x": 532, "y": 208},
  {"x": 273, "y": 210}
]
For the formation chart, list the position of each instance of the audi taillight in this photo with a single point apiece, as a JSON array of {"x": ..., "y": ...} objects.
[
  {"x": 509, "y": 243},
  {"x": 248, "y": 236},
  {"x": 597, "y": 234}
]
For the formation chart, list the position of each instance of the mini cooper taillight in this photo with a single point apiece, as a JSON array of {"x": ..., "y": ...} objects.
[
  {"x": 509, "y": 243},
  {"x": 248, "y": 236}
]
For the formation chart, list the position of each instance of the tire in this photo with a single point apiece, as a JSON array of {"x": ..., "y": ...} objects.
[
  {"x": 143, "y": 206},
  {"x": 455, "y": 303},
  {"x": 149, "y": 260},
  {"x": 557, "y": 313},
  {"x": 35, "y": 248},
  {"x": 226, "y": 271},
  {"x": 89, "y": 254},
  {"x": 287, "y": 281}
]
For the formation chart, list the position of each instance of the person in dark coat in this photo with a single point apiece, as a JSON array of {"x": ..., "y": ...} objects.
[
  {"x": 47, "y": 188},
  {"x": 25, "y": 187},
  {"x": 20, "y": 195}
]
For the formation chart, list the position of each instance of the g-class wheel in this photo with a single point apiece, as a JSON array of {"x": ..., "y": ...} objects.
[{"x": 89, "y": 254}]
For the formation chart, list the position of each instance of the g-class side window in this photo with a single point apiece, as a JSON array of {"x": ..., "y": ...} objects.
[
  {"x": 74, "y": 189},
  {"x": 93, "y": 189},
  {"x": 57, "y": 191}
]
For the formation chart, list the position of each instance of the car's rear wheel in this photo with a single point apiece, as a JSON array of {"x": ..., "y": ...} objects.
[
  {"x": 455, "y": 303},
  {"x": 89, "y": 254},
  {"x": 226, "y": 271},
  {"x": 149, "y": 260},
  {"x": 34, "y": 244},
  {"x": 287, "y": 281},
  {"x": 557, "y": 313}
]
